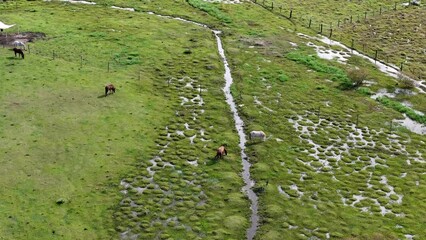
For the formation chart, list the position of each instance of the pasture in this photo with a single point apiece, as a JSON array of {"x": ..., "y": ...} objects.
[{"x": 140, "y": 162}]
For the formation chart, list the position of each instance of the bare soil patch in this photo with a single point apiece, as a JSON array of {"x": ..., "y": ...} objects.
[{"x": 7, "y": 39}]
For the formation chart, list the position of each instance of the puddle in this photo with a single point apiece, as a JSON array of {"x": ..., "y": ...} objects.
[
  {"x": 80, "y": 2},
  {"x": 330, "y": 54},
  {"x": 239, "y": 124},
  {"x": 409, "y": 236},
  {"x": 124, "y": 9},
  {"x": 383, "y": 93},
  {"x": 412, "y": 125}
]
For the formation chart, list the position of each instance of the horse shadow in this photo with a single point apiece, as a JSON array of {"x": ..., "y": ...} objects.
[
  {"x": 253, "y": 143},
  {"x": 212, "y": 161},
  {"x": 102, "y": 96},
  {"x": 14, "y": 58}
]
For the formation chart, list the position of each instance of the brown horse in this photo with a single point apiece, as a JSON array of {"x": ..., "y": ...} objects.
[
  {"x": 19, "y": 52},
  {"x": 109, "y": 89},
  {"x": 220, "y": 152}
]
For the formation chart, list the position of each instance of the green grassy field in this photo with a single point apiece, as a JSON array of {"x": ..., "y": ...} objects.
[{"x": 77, "y": 165}]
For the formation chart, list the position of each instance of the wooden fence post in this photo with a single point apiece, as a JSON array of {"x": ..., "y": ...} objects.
[
  {"x": 375, "y": 56},
  {"x": 310, "y": 21},
  {"x": 291, "y": 13},
  {"x": 321, "y": 28},
  {"x": 331, "y": 32},
  {"x": 272, "y": 5}
]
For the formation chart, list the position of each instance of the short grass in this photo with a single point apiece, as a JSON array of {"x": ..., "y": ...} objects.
[
  {"x": 79, "y": 139},
  {"x": 66, "y": 147}
]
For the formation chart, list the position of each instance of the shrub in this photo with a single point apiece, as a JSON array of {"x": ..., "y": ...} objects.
[
  {"x": 357, "y": 76},
  {"x": 405, "y": 82}
]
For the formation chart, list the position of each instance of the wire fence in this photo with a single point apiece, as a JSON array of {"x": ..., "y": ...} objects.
[
  {"x": 327, "y": 28},
  {"x": 79, "y": 57}
]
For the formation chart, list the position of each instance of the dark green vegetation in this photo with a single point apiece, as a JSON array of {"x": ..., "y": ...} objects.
[
  {"x": 334, "y": 164},
  {"x": 420, "y": 118}
]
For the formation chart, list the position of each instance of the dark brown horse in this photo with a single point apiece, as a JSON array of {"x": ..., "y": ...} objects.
[
  {"x": 109, "y": 89},
  {"x": 220, "y": 152},
  {"x": 19, "y": 52}
]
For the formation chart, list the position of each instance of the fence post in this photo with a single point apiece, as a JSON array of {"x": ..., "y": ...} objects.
[
  {"x": 402, "y": 65},
  {"x": 321, "y": 28},
  {"x": 291, "y": 13},
  {"x": 352, "y": 44},
  {"x": 365, "y": 15},
  {"x": 108, "y": 66},
  {"x": 375, "y": 56},
  {"x": 331, "y": 32},
  {"x": 338, "y": 23},
  {"x": 394, "y": 8},
  {"x": 29, "y": 50},
  {"x": 281, "y": 8},
  {"x": 310, "y": 21},
  {"x": 380, "y": 11},
  {"x": 272, "y": 5},
  {"x": 351, "y": 19},
  {"x": 53, "y": 54}
]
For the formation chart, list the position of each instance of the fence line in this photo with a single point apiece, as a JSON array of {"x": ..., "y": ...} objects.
[{"x": 360, "y": 46}]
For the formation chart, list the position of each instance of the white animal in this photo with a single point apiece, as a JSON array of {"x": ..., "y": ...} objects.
[
  {"x": 19, "y": 44},
  {"x": 257, "y": 134}
]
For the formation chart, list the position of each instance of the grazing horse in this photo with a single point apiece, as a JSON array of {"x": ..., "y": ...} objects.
[
  {"x": 220, "y": 152},
  {"x": 109, "y": 89},
  {"x": 257, "y": 134},
  {"x": 19, "y": 52},
  {"x": 19, "y": 44}
]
